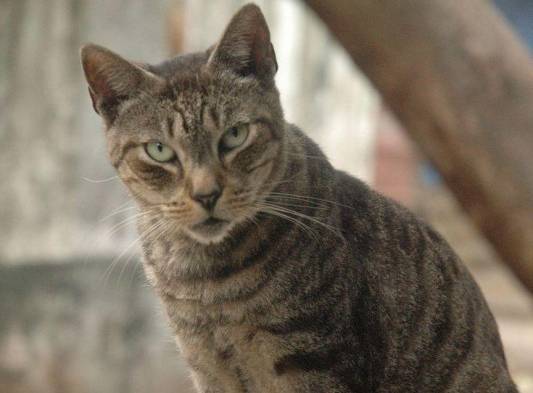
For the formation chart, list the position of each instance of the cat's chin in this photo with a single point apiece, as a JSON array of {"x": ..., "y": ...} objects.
[{"x": 210, "y": 231}]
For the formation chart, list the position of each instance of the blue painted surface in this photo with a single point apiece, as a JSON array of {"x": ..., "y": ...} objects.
[{"x": 520, "y": 14}]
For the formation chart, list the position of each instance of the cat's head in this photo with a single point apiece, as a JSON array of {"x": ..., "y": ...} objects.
[{"x": 199, "y": 139}]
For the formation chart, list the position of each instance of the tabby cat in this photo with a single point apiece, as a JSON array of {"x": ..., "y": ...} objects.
[{"x": 279, "y": 273}]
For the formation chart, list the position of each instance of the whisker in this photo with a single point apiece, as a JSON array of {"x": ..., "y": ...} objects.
[
  {"x": 178, "y": 211},
  {"x": 114, "y": 213},
  {"x": 125, "y": 222},
  {"x": 306, "y": 197},
  {"x": 157, "y": 232},
  {"x": 296, "y": 222},
  {"x": 129, "y": 247},
  {"x": 113, "y": 263},
  {"x": 99, "y": 180},
  {"x": 304, "y": 204},
  {"x": 108, "y": 233},
  {"x": 304, "y": 216}
]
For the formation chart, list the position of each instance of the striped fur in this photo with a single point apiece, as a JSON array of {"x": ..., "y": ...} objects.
[{"x": 318, "y": 284}]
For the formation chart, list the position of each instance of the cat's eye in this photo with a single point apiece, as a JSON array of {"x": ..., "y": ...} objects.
[
  {"x": 160, "y": 152},
  {"x": 234, "y": 137}
]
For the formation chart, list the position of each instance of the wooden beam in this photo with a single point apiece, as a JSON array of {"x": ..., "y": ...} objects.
[{"x": 461, "y": 83}]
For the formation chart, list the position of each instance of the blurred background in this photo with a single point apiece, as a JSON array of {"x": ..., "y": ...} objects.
[{"x": 75, "y": 312}]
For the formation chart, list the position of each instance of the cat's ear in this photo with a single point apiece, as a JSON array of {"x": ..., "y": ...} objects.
[
  {"x": 245, "y": 47},
  {"x": 112, "y": 79}
]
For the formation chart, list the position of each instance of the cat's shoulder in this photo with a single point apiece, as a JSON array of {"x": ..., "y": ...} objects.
[{"x": 370, "y": 208}]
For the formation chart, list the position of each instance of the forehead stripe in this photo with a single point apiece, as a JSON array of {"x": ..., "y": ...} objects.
[
  {"x": 214, "y": 116},
  {"x": 200, "y": 118},
  {"x": 183, "y": 119},
  {"x": 170, "y": 127}
]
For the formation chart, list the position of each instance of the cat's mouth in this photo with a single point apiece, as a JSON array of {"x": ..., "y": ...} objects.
[
  {"x": 211, "y": 222},
  {"x": 210, "y": 229}
]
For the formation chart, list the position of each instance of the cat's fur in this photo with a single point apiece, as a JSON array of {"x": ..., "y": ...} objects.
[{"x": 315, "y": 283}]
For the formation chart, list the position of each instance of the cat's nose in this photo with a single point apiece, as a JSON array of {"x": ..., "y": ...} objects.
[
  {"x": 208, "y": 201},
  {"x": 205, "y": 187}
]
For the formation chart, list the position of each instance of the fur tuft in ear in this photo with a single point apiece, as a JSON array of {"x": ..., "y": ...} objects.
[
  {"x": 112, "y": 79},
  {"x": 245, "y": 47}
]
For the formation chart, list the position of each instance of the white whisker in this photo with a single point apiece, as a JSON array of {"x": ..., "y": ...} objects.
[
  {"x": 296, "y": 222},
  {"x": 111, "y": 267},
  {"x": 308, "y": 198},
  {"x": 301, "y": 215},
  {"x": 96, "y": 181},
  {"x": 114, "y": 213}
]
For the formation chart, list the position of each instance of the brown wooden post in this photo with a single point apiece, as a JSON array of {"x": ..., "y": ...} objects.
[{"x": 462, "y": 85}]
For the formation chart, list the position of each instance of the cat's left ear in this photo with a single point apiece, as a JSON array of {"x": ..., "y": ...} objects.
[{"x": 245, "y": 47}]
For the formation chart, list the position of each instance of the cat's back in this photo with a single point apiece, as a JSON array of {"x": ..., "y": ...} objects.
[{"x": 417, "y": 304}]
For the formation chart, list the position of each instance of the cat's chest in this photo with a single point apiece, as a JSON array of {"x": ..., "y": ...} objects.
[
  {"x": 243, "y": 357},
  {"x": 238, "y": 294}
]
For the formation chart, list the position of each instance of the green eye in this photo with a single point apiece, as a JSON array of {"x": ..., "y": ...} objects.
[
  {"x": 159, "y": 152},
  {"x": 234, "y": 137}
]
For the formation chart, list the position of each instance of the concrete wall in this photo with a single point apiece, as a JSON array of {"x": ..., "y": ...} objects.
[{"x": 79, "y": 327}]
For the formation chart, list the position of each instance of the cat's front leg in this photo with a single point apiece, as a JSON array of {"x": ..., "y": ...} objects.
[
  {"x": 210, "y": 371},
  {"x": 203, "y": 378}
]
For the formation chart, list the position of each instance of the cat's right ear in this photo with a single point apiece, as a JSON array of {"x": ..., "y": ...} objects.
[{"x": 112, "y": 79}]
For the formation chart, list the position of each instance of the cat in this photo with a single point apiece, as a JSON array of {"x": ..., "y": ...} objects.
[{"x": 277, "y": 272}]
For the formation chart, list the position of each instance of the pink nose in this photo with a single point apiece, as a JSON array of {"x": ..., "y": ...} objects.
[
  {"x": 205, "y": 188},
  {"x": 208, "y": 201}
]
